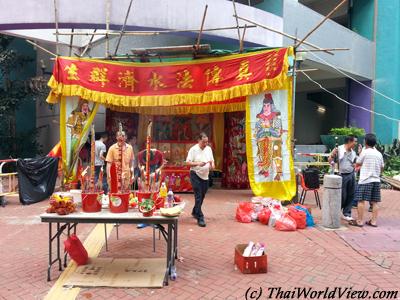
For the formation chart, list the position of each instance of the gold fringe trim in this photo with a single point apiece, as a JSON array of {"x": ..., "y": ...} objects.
[{"x": 182, "y": 110}]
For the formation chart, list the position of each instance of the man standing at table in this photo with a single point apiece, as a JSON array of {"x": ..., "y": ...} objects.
[
  {"x": 124, "y": 162},
  {"x": 100, "y": 152},
  {"x": 201, "y": 160}
]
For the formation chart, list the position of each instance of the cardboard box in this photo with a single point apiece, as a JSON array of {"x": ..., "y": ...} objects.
[{"x": 250, "y": 265}]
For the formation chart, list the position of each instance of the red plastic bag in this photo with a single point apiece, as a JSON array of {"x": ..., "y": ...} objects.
[
  {"x": 246, "y": 207},
  {"x": 299, "y": 216},
  {"x": 76, "y": 250},
  {"x": 243, "y": 212},
  {"x": 264, "y": 215},
  {"x": 242, "y": 216},
  {"x": 286, "y": 223}
]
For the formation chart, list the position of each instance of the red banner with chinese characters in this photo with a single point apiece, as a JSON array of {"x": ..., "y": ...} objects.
[{"x": 127, "y": 84}]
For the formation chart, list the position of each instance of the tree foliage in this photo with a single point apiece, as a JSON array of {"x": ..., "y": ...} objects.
[{"x": 14, "y": 92}]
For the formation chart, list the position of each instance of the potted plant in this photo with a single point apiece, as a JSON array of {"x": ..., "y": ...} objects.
[
  {"x": 337, "y": 136},
  {"x": 147, "y": 207}
]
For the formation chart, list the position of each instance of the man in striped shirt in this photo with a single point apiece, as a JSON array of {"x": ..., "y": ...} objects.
[{"x": 368, "y": 189}]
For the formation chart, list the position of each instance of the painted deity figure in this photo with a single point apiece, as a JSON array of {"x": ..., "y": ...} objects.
[
  {"x": 78, "y": 118},
  {"x": 268, "y": 132},
  {"x": 75, "y": 125}
]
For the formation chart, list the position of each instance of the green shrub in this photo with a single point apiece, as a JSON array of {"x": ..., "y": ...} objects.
[
  {"x": 348, "y": 131},
  {"x": 391, "y": 156}
]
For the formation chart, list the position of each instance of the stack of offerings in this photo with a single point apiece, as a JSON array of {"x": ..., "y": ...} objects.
[
  {"x": 271, "y": 212},
  {"x": 251, "y": 258}
]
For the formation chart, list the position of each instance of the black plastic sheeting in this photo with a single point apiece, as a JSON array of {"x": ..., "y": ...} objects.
[{"x": 36, "y": 178}]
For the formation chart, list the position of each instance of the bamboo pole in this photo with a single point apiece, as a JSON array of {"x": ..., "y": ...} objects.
[
  {"x": 236, "y": 18},
  {"x": 320, "y": 23},
  {"x": 169, "y": 49},
  {"x": 88, "y": 44},
  {"x": 242, "y": 40},
  {"x": 293, "y": 139},
  {"x": 131, "y": 57},
  {"x": 306, "y": 70},
  {"x": 156, "y": 32},
  {"x": 108, "y": 6},
  {"x": 41, "y": 48},
  {"x": 56, "y": 24},
  {"x": 324, "y": 49},
  {"x": 70, "y": 42},
  {"x": 123, "y": 27},
  {"x": 283, "y": 33},
  {"x": 201, "y": 27}
]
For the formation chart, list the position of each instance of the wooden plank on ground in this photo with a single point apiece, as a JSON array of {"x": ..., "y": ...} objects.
[{"x": 93, "y": 244}]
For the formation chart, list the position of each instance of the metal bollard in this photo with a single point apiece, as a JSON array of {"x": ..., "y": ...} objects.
[{"x": 331, "y": 208}]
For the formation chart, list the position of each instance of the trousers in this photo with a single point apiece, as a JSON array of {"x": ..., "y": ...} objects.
[
  {"x": 200, "y": 187},
  {"x": 348, "y": 190}
]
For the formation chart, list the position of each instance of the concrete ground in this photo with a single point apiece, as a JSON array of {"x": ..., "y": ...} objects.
[{"x": 360, "y": 258}]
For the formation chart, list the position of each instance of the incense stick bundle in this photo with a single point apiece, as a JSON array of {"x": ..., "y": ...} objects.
[
  {"x": 92, "y": 159},
  {"x": 99, "y": 185}
]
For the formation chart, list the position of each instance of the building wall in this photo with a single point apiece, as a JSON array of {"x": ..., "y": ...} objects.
[
  {"x": 360, "y": 95},
  {"x": 387, "y": 69},
  {"x": 272, "y": 6},
  {"x": 299, "y": 19},
  {"x": 309, "y": 123},
  {"x": 362, "y": 18}
]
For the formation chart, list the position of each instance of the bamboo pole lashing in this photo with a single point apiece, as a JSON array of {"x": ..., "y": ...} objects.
[
  {"x": 108, "y": 7},
  {"x": 88, "y": 44},
  {"x": 56, "y": 25},
  {"x": 237, "y": 21},
  {"x": 281, "y": 33},
  {"x": 323, "y": 49},
  {"x": 41, "y": 48},
  {"x": 123, "y": 27},
  {"x": 70, "y": 42},
  {"x": 320, "y": 23},
  {"x": 155, "y": 32},
  {"x": 201, "y": 27},
  {"x": 242, "y": 40}
]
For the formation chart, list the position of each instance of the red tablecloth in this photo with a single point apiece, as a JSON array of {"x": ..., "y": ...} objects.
[{"x": 177, "y": 178}]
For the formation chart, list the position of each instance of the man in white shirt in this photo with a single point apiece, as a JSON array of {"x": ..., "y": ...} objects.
[
  {"x": 368, "y": 189},
  {"x": 201, "y": 160},
  {"x": 99, "y": 158}
]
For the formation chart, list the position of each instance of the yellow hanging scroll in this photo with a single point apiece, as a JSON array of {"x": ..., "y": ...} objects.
[
  {"x": 76, "y": 117},
  {"x": 268, "y": 143}
]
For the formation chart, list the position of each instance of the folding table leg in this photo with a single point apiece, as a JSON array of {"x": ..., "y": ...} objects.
[
  {"x": 58, "y": 248},
  {"x": 169, "y": 249},
  {"x": 65, "y": 252},
  {"x": 50, "y": 252},
  {"x": 154, "y": 239},
  {"x": 175, "y": 241}
]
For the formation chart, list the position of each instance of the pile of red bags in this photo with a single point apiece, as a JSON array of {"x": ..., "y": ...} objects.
[{"x": 284, "y": 219}]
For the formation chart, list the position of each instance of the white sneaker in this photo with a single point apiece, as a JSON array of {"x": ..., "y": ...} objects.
[{"x": 347, "y": 218}]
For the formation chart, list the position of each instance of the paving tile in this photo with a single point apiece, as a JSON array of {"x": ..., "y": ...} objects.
[{"x": 360, "y": 258}]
